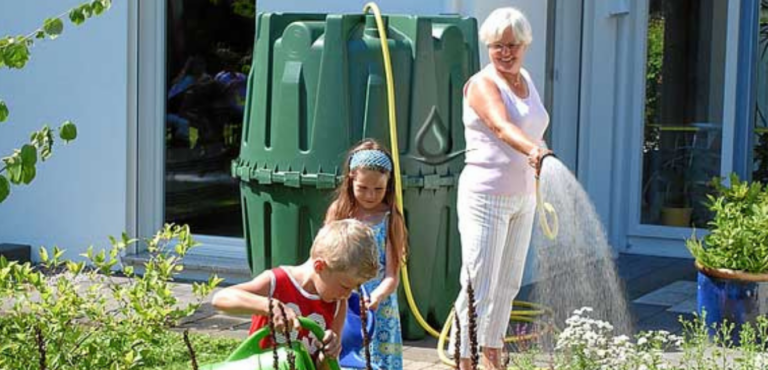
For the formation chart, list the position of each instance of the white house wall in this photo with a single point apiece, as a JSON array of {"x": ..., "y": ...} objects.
[
  {"x": 536, "y": 12},
  {"x": 79, "y": 195}
]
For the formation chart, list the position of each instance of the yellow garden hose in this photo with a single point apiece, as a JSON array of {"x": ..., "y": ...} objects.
[
  {"x": 518, "y": 316},
  {"x": 525, "y": 316},
  {"x": 396, "y": 159},
  {"x": 545, "y": 209}
]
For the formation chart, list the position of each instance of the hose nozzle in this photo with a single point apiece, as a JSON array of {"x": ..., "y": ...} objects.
[{"x": 548, "y": 154}]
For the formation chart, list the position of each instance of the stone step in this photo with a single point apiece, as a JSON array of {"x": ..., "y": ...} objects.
[{"x": 199, "y": 268}]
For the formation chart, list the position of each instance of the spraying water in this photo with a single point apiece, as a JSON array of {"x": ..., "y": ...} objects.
[{"x": 575, "y": 269}]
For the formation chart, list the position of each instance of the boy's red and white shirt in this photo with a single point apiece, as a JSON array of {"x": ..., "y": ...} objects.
[{"x": 287, "y": 290}]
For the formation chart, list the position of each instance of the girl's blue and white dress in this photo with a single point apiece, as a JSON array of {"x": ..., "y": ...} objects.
[{"x": 387, "y": 343}]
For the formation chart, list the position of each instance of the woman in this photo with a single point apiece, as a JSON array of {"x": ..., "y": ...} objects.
[{"x": 504, "y": 122}]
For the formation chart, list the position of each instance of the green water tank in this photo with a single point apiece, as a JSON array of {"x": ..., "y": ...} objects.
[{"x": 317, "y": 87}]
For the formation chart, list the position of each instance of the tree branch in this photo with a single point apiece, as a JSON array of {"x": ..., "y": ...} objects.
[{"x": 191, "y": 350}]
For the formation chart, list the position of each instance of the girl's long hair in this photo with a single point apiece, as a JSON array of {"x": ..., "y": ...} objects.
[{"x": 345, "y": 205}]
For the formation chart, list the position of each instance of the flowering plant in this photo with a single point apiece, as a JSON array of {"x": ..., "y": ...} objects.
[{"x": 589, "y": 344}]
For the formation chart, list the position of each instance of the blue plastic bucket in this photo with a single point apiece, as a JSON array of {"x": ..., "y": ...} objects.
[{"x": 352, "y": 335}]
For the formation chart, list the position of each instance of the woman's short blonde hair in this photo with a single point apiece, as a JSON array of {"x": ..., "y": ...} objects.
[
  {"x": 503, "y": 18},
  {"x": 348, "y": 246}
]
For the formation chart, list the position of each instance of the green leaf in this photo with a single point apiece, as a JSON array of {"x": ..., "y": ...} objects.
[
  {"x": 98, "y": 7},
  {"x": 53, "y": 27},
  {"x": 14, "y": 168},
  {"x": 28, "y": 155},
  {"x": 68, "y": 131},
  {"x": 5, "y": 188},
  {"x": 3, "y": 111},
  {"x": 57, "y": 252},
  {"x": 76, "y": 16},
  {"x": 16, "y": 53},
  {"x": 43, "y": 255},
  {"x": 86, "y": 11},
  {"x": 28, "y": 173}
]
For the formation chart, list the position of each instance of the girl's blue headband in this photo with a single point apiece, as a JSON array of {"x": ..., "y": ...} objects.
[{"x": 370, "y": 158}]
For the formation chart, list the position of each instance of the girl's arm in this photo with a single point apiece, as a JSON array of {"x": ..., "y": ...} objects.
[
  {"x": 251, "y": 298},
  {"x": 389, "y": 283},
  {"x": 330, "y": 214}
]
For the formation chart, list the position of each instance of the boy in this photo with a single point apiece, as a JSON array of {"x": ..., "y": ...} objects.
[{"x": 343, "y": 256}]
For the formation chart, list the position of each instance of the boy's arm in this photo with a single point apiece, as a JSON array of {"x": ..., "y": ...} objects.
[
  {"x": 252, "y": 298},
  {"x": 337, "y": 326},
  {"x": 332, "y": 340},
  {"x": 247, "y": 298}
]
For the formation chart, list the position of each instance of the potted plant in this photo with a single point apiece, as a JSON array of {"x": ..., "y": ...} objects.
[
  {"x": 676, "y": 209},
  {"x": 676, "y": 196},
  {"x": 733, "y": 258}
]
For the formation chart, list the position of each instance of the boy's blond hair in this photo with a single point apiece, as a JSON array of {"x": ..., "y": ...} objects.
[{"x": 348, "y": 246}]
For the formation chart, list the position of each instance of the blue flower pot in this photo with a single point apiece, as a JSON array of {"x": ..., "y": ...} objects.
[{"x": 727, "y": 300}]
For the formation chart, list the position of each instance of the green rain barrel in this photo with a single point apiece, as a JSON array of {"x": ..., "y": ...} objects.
[{"x": 316, "y": 88}]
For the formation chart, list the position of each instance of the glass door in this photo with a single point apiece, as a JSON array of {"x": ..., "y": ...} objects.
[
  {"x": 685, "y": 79},
  {"x": 208, "y": 55},
  {"x": 193, "y": 60}
]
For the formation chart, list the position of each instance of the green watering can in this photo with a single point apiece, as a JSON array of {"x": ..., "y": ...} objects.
[{"x": 250, "y": 356}]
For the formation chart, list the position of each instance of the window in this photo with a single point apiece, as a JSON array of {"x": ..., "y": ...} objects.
[
  {"x": 683, "y": 109},
  {"x": 208, "y": 55}
]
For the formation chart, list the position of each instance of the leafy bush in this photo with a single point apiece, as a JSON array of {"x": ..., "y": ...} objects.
[
  {"x": 84, "y": 315},
  {"x": 738, "y": 233}
]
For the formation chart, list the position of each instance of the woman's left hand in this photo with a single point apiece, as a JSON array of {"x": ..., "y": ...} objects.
[{"x": 535, "y": 156}]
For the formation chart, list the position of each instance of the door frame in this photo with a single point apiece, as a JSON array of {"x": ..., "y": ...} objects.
[{"x": 564, "y": 78}]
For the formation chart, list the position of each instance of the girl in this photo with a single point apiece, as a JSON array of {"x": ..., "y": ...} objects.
[{"x": 367, "y": 193}]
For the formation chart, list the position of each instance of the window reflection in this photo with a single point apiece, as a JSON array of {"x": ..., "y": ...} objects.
[
  {"x": 208, "y": 55},
  {"x": 760, "y": 171},
  {"x": 683, "y": 109}
]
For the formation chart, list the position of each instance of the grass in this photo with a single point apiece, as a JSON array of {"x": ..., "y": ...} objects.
[{"x": 172, "y": 354}]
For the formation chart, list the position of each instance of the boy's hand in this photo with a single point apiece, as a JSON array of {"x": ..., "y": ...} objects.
[
  {"x": 291, "y": 320},
  {"x": 331, "y": 346}
]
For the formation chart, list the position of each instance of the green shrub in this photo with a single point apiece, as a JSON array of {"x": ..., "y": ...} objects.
[
  {"x": 738, "y": 233},
  {"x": 95, "y": 314}
]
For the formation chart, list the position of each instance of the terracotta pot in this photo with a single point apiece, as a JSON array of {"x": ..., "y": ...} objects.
[{"x": 732, "y": 274}]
